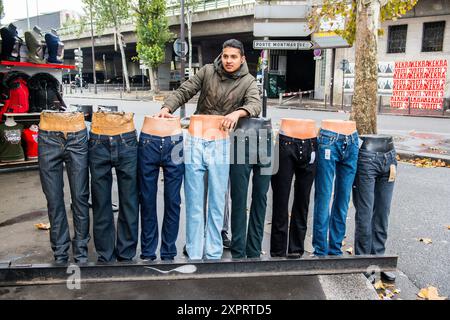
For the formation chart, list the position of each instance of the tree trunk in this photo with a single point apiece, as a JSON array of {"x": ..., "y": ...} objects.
[
  {"x": 124, "y": 62},
  {"x": 154, "y": 83},
  {"x": 364, "y": 108}
]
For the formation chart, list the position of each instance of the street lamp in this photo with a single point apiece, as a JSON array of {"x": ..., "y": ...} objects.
[
  {"x": 182, "y": 57},
  {"x": 28, "y": 16},
  {"x": 93, "y": 52}
]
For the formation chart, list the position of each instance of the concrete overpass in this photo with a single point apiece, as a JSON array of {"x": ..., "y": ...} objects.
[{"x": 213, "y": 23}]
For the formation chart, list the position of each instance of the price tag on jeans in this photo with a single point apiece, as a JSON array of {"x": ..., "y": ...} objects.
[
  {"x": 327, "y": 154},
  {"x": 313, "y": 157},
  {"x": 393, "y": 173},
  {"x": 360, "y": 141}
]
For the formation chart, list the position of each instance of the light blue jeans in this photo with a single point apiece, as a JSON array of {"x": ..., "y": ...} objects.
[{"x": 203, "y": 238}]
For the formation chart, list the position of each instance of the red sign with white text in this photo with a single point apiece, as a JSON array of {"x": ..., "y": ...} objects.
[{"x": 419, "y": 84}]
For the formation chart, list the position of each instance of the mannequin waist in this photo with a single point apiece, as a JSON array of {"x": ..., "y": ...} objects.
[
  {"x": 112, "y": 124},
  {"x": 381, "y": 144},
  {"x": 62, "y": 121}
]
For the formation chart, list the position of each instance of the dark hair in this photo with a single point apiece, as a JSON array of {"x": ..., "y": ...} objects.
[{"x": 233, "y": 43}]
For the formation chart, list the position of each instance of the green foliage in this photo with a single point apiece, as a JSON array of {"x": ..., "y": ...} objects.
[
  {"x": 152, "y": 30},
  {"x": 108, "y": 13},
  {"x": 2, "y": 10},
  {"x": 332, "y": 9}
]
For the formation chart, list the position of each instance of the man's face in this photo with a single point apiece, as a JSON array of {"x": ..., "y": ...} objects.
[{"x": 232, "y": 59}]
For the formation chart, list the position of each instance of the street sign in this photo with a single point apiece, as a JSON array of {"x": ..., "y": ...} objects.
[
  {"x": 281, "y": 11},
  {"x": 78, "y": 58},
  {"x": 282, "y": 45},
  {"x": 329, "y": 39},
  {"x": 180, "y": 47},
  {"x": 281, "y": 29}
]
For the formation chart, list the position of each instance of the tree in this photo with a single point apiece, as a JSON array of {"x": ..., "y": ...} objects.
[
  {"x": 112, "y": 13},
  {"x": 2, "y": 10},
  {"x": 153, "y": 33},
  {"x": 362, "y": 21}
]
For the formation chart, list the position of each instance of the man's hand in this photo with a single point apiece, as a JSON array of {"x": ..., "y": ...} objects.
[
  {"x": 165, "y": 113},
  {"x": 231, "y": 119}
]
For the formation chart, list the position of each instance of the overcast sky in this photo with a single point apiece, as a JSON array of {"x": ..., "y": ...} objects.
[{"x": 17, "y": 9}]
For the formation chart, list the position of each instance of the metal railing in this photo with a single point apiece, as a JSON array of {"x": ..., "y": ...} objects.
[{"x": 173, "y": 9}]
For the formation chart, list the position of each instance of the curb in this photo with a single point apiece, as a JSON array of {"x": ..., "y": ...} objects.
[
  {"x": 109, "y": 98},
  {"x": 405, "y": 155},
  {"x": 345, "y": 111}
]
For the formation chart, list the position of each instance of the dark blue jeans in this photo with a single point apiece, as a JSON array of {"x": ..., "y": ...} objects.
[
  {"x": 372, "y": 196},
  {"x": 55, "y": 149},
  {"x": 119, "y": 152},
  {"x": 156, "y": 153},
  {"x": 337, "y": 161}
]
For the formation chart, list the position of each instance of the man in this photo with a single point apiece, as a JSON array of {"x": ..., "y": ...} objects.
[{"x": 227, "y": 88}]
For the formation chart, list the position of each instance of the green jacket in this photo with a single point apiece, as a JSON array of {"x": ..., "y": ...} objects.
[{"x": 221, "y": 92}]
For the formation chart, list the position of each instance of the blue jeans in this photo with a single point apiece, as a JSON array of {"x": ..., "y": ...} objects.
[
  {"x": 155, "y": 153},
  {"x": 205, "y": 239},
  {"x": 372, "y": 196},
  {"x": 55, "y": 149},
  {"x": 119, "y": 152},
  {"x": 337, "y": 162}
]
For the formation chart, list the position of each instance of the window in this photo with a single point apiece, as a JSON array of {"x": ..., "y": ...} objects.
[
  {"x": 433, "y": 36},
  {"x": 323, "y": 68},
  {"x": 397, "y": 38}
]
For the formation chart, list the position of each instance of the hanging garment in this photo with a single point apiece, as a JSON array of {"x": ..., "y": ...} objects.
[
  {"x": 11, "y": 143},
  {"x": 15, "y": 93},
  {"x": 30, "y": 138},
  {"x": 55, "y": 48},
  {"x": 11, "y": 43},
  {"x": 45, "y": 93}
]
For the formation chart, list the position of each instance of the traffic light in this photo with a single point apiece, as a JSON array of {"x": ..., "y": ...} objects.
[{"x": 79, "y": 58}]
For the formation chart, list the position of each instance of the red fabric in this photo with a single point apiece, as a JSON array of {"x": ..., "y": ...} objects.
[
  {"x": 18, "y": 101},
  {"x": 31, "y": 143}
]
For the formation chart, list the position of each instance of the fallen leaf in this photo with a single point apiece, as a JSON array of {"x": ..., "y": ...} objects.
[
  {"x": 389, "y": 293},
  {"x": 426, "y": 240},
  {"x": 430, "y": 293},
  {"x": 349, "y": 250},
  {"x": 397, "y": 291},
  {"x": 343, "y": 242},
  {"x": 42, "y": 226},
  {"x": 379, "y": 285}
]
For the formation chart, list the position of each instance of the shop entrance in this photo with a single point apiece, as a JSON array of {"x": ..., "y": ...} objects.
[{"x": 301, "y": 71}]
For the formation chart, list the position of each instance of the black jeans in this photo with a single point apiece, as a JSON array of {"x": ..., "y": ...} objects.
[
  {"x": 119, "y": 152},
  {"x": 372, "y": 196},
  {"x": 297, "y": 157},
  {"x": 55, "y": 149},
  {"x": 250, "y": 153}
]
